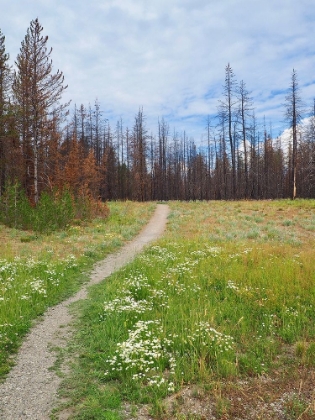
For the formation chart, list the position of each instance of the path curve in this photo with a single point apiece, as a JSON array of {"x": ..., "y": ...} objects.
[{"x": 30, "y": 390}]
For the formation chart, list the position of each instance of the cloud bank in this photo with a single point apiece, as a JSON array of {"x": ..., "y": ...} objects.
[{"x": 169, "y": 56}]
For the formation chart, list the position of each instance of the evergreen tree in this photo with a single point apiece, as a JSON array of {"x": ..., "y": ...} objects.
[
  {"x": 228, "y": 111},
  {"x": 293, "y": 116},
  {"x": 139, "y": 158},
  {"x": 5, "y": 79},
  {"x": 245, "y": 108},
  {"x": 37, "y": 92}
]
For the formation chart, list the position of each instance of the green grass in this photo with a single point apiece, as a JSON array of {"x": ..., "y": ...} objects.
[
  {"x": 215, "y": 299},
  {"x": 43, "y": 270}
]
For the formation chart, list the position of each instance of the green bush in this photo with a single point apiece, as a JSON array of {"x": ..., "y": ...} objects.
[
  {"x": 15, "y": 208},
  {"x": 55, "y": 210}
]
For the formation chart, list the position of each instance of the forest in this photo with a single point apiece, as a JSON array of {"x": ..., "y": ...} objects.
[{"x": 47, "y": 145}]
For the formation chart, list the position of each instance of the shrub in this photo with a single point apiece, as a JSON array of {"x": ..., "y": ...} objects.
[{"x": 55, "y": 209}]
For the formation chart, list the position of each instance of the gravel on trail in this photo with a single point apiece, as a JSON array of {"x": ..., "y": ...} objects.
[{"x": 30, "y": 389}]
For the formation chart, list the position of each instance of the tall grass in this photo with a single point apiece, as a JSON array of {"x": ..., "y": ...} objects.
[
  {"x": 43, "y": 270},
  {"x": 208, "y": 301}
]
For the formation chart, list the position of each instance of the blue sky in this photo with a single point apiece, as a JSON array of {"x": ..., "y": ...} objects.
[{"x": 169, "y": 56}]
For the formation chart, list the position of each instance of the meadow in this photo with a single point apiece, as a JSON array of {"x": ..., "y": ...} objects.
[
  {"x": 213, "y": 321},
  {"x": 40, "y": 270}
]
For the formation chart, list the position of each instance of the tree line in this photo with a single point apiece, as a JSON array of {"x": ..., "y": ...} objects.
[{"x": 45, "y": 146}]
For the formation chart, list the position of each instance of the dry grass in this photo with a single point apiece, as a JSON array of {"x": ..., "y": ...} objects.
[
  {"x": 274, "y": 397},
  {"x": 259, "y": 221},
  {"x": 75, "y": 240}
]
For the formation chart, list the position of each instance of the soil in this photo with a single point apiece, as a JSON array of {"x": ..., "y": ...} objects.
[
  {"x": 281, "y": 395},
  {"x": 30, "y": 390}
]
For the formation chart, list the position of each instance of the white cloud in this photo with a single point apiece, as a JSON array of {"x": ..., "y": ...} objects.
[{"x": 167, "y": 55}]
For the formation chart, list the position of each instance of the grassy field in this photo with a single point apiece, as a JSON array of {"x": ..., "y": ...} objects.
[
  {"x": 214, "y": 321},
  {"x": 39, "y": 271}
]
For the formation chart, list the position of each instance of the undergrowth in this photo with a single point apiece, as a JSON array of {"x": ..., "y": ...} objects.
[{"x": 55, "y": 210}]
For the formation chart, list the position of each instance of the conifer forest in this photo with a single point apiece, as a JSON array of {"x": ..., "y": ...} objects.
[{"x": 49, "y": 145}]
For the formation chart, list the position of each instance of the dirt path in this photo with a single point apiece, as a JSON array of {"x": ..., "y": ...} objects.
[{"x": 30, "y": 391}]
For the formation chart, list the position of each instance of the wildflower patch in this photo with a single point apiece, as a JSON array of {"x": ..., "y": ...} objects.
[{"x": 144, "y": 356}]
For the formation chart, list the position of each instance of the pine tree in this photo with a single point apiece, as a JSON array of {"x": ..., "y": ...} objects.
[
  {"x": 228, "y": 110},
  {"x": 138, "y": 155},
  {"x": 37, "y": 92},
  {"x": 5, "y": 79},
  {"x": 293, "y": 115},
  {"x": 245, "y": 108},
  {"x": 72, "y": 171}
]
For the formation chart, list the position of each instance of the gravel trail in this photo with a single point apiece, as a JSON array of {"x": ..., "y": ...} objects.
[{"x": 30, "y": 390}]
